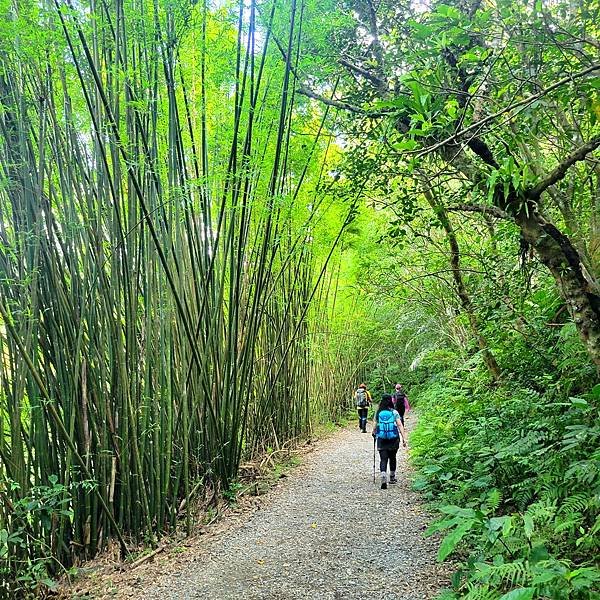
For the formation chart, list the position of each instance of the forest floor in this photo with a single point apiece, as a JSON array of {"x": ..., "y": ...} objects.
[{"x": 324, "y": 532}]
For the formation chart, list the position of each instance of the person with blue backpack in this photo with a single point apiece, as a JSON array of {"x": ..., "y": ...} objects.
[{"x": 388, "y": 429}]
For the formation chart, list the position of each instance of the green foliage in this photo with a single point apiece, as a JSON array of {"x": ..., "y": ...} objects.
[
  {"x": 187, "y": 278},
  {"x": 27, "y": 542},
  {"x": 516, "y": 475},
  {"x": 458, "y": 111},
  {"x": 170, "y": 264}
]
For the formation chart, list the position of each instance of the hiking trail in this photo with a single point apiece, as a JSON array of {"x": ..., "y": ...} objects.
[{"x": 325, "y": 532}]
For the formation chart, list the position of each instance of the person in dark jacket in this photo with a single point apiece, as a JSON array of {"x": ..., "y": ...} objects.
[{"x": 400, "y": 400}]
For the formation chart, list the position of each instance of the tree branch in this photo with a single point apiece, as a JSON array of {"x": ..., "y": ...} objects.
[
  {"x": 482, "y": 150},
  {"x": 530, "y": 99},
  {"x": 372, "y": 15},
  {"x": 493, "y": 211},
  {"x": 378, "y": 82},
  {"x": 561, "y": 170},
  {"x": 304, "y": 91}
]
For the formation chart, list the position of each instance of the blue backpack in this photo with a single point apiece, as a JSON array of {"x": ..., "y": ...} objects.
[{"x": 386, "y": 426}]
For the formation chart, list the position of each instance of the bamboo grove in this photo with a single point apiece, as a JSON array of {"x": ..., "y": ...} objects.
[{"x": 162, "y": 295}]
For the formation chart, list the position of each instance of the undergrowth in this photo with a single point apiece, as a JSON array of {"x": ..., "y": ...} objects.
[{"x": 514, "y": 473}]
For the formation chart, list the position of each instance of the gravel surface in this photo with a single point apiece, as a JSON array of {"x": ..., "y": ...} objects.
[{"x": 326, "y": 532}]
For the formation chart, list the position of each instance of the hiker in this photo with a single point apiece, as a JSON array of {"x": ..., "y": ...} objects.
[
  {"x": 363, "y": 401},
  {"x": 388, "y": 429},
  {"x": 400, "y": 400}
]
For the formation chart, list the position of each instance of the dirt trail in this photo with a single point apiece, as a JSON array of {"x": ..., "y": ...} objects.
[{"x": 325, "y": 533}]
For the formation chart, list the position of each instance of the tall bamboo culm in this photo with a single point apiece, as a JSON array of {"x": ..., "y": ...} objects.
[{"x": 158, "y": 284}]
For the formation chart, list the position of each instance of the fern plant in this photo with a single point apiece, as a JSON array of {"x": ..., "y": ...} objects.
[{"x": 519, "y": 506}]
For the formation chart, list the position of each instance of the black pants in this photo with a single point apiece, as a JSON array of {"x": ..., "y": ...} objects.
[
  {"x": 387, "y": 452},
  {"x": 362, "y": 418},
  {"x": 401, "y": 409}
]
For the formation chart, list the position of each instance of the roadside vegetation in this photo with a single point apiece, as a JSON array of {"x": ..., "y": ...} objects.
[{"x": 514, "y": 472}]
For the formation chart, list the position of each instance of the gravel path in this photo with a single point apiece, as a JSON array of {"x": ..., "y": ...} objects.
[{"x": 325, "y": 533}]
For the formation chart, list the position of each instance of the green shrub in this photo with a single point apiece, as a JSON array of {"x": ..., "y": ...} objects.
[
  {"x": 28, "y": 537},
  {"x": 515, "y": 475}
]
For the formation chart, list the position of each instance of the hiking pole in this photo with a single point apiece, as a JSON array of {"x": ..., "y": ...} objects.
[{"x": 374, "y": 442}]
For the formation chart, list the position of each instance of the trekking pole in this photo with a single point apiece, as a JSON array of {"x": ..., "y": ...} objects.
[{"x": 374, "y": 442}]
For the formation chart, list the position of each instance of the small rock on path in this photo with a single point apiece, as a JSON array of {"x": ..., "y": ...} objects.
[{"x": 326, "y": 533}]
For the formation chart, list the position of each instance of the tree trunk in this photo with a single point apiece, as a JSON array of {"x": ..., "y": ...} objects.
[
  {"x": 461, "y": 289},
  {"x": 576, "y": 286},
  {"x": 556, "y": 251},
  {"x": 594, "y": 244}
]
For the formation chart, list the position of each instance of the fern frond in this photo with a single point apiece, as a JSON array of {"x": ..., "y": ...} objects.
[
  {"x": 542, "y": 512},
  {"x": 552, "y": 486},
  {"x": 479, "y": 592},
  {"x": 578, "y": 503},
  {"x": 568, "y": 524},
  {"x": 583, "y": 472},
  {"x": 516, "y": 573},
  {"x": 494, "y": 499}
]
